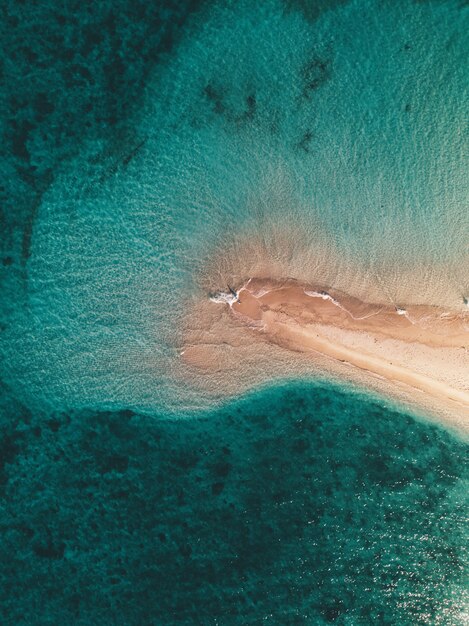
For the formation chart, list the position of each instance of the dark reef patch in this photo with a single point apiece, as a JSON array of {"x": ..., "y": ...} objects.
[
  {"x": 63, "y": 80},
  {"x": 305, "y": 141},
  {"x": 299, "y": 502},
  {"x": 215, "y": 97},
  {"x": 222, "y": 103},
  {"x": 314, "y": 74},
  {"x": 250, "y": 110}
]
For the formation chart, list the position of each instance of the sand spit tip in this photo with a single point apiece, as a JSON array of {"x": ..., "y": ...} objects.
[{"x": 225, "y": 297}]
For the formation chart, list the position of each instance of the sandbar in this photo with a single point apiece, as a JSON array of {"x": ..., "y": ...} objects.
[{"x": 417, "y": 355}]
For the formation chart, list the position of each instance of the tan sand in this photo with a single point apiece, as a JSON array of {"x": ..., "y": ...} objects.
[{"x": 418, "y": 355}]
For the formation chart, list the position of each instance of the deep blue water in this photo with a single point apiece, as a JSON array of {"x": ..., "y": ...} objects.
[
  {"x": 135, "y": 136},
  {"x": 295, "y": 505}
]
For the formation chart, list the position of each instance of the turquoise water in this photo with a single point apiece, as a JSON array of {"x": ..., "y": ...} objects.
[
  {"x": 155, "y": 152},
  {"x": 264, "y": 142}
]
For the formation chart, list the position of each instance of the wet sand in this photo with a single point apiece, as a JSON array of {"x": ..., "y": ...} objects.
[{"x": 418, "y": 355}]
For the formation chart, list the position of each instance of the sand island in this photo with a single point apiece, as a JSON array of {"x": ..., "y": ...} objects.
[{"x": 415, "y": 354}]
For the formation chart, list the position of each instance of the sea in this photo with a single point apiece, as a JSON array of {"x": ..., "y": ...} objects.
[{"x": 152, "y": 154}]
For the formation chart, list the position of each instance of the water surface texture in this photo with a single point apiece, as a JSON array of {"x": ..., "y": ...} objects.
[
  {"x": 332, "y": 141},
  {"x": 296, "y": 505},
  {"x": 147, "y": 147}
]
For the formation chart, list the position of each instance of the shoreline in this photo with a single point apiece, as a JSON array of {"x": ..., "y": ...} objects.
[{"x": 415, "y": 354}]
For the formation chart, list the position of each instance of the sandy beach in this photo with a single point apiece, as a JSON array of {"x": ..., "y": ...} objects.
[{"x": 417, "y": 355}]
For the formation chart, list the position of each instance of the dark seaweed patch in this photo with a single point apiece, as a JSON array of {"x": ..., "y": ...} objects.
[
  {"x": 220, "y": 105},
  {"x": 305, "y": 141},
  {"x": 45, "y": 547},
  {"x": 250, "y": 111},
  {"x": 19, "y": 136},
  {"x": 314, "y": 74},
  {"x": 215, "y": 97}
]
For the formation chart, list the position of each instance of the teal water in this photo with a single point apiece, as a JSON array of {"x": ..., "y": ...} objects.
[
  {"x": 296, "y": 505},
  {"x": 264, "y": 142},
  {"x": 153, "y": 152}
]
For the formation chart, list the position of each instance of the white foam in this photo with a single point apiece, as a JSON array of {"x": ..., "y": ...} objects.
[
  {"x": 228, "y": 297},
  {"x": 325, "y": 296},
  {"x": 223, "y": 297},
  {"x": 403, "y": 312}
]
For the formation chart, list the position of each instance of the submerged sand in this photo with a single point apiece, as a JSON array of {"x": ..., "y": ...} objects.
[{"x": 417, "y": 355}]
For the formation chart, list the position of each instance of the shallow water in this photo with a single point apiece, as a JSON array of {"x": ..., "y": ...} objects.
[
  {"x": 155, "y": 154},
  {"x": 267, "y": 142}
]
